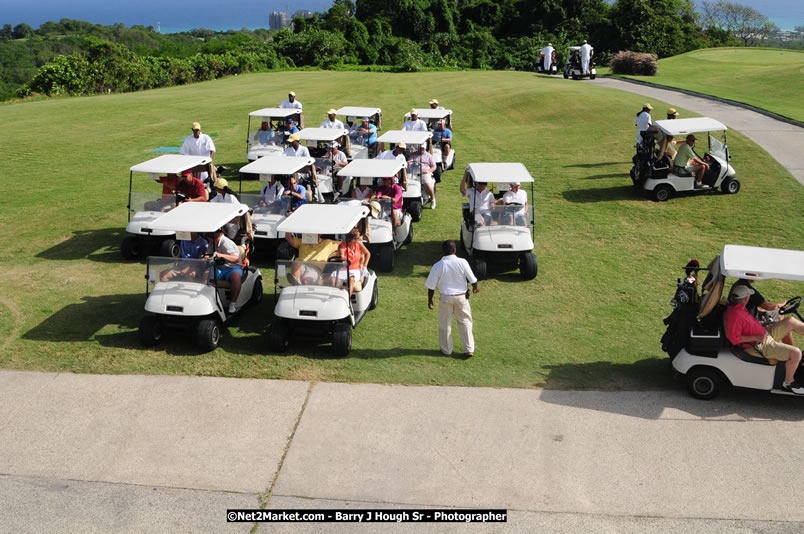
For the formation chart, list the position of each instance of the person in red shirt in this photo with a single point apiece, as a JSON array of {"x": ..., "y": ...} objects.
[
  {"x": 745, "y": 331},
  {"x": 192, "y": 188},
  {"x": 391, "y": 190}
]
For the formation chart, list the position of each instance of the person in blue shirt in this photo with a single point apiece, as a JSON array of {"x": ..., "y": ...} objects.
[
  {"x": 192, "y": 249},
  {"x": 369, "y": 131},
  {"x": 295, "y": 194},
  {"x": 288, "y": 129},
  {"x": 443, "y": 135}
]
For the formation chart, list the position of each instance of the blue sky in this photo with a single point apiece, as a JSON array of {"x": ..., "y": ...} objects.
[{"x": 235, "y": 14}]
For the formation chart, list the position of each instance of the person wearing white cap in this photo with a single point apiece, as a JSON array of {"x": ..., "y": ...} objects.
[
  {"x": 549, "y": 53},
  {"x": 479, "y": 198},
  {"x": 414, "y": 124},
  {"x": 224, "y": 194},
  {"x": 749, "y": 334},
  {"x": 442, "y": 136},
  {"x": 332, "y": 121},
  {"x": 450, "y": 275},
  {"x": 198, "y": 144},
  {"x": 296, "y": 149},
  {"x": 291, "y": 102},
  {"x": 586, "y": 55},
  {"x": 643, "y": 121},
  {"x": 367, "y": 131},
  {"x": 516, "y": 197}
]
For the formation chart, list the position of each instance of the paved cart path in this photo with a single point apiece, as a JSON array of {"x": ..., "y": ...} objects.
[
  {"x": 782, "y": 140},
  {"x": 171, "y": 454}
]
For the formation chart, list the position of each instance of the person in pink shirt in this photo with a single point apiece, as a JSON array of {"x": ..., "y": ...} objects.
[
  {"x": 391, "y": 190},
  {"x": 746, "y": 332}
]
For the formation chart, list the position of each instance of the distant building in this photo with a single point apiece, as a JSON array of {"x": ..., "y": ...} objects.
[
  {"x": 303, "y": 13},
  {"x": 278, "y": 20}
]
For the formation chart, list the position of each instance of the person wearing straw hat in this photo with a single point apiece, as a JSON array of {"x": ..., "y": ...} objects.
[
  {"x": 586, "y": 55},
  {"x": 434, "y": 104},
  {"x": 414, "y": 124},
  {"x": 449, "y": 275},
  {"x": 332, "y": 121},
  {"x": 746, "y": 332},
  {"x": 549, "y": 57},
  {"x": 296, "y": 149},
  {"x": 687, "y": 162},
  {"x": 198, "y": 144},
  {"x": 291, "y": 102},
  {"x": 643, "y": 121},
  {"x": 672, "y": 114}
]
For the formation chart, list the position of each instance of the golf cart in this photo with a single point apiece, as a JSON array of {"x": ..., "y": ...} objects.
[
  {"x": 314, "y": 296},
  {"x": 144, "y": 208},
  {"x": 184, "y": 293},
  {"x": 359, "y": 148},
  {"x": 431, "y": 117},
  {"x": 653, "y": 169},
  {"x": 265, "y": 217},
  {"x": 696, "y": 339},
  {"x": 553, "y": 64},
  {"x": 505, "y": 240},
  {"x": 383, "y": 238},
  {"x": 272, "y": 142},
  {"x": 318, "y": 141},
  {"x": 415, "y": 196},
  {"x": 573, "y": 67}
]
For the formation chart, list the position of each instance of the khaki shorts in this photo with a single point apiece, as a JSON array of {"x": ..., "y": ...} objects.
[{"x": 772, "y": 349}]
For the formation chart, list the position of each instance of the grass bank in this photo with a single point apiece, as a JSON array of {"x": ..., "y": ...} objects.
[{"x": 592, "y": 318}]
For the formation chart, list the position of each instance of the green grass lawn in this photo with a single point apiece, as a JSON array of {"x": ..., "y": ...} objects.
[
  {"x": 608, "y": 258},
  {"x": 769, "y": 79}
]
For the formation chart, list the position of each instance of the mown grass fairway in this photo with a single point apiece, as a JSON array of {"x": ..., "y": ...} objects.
[
  {"x": 769, "y": 79},
  {"x": 592, "y": 318}
]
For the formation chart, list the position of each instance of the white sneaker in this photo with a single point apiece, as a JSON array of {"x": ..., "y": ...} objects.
[
  {"x": 232, "y": 307},
  {"x": 432, "y": 204},
  {"x": 793, "y": 387}
]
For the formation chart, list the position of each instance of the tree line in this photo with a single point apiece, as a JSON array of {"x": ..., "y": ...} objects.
[{"x": 77, "y": 57}]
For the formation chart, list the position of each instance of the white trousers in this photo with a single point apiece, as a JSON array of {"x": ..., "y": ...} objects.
[
  {"x": 457, "y": 305},
  {"x": 585, "y": 65}
]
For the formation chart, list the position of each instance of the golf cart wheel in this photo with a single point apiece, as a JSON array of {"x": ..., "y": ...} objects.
[
  {"x": 342, "y": 339},
  {"x": 438, "y": 172},
  {"x": 256, "y": 293},
  {"x": 592, "y": 76},
  {"x": 704, "y": 383},
  {"x": 208, "y": 333},
  {"x": 386, "y": 257},
  {"x": 150, "y": 330},
  {"x": 375, "y": 296},
  {"x": 170, "y": 248},
  {"x": 285, "y": 252},
  {"x": 576, "y": 77},
  {"x": 280, "y": 336},
  {"x": 662, "y": 193},
  {"x": 479, "y": 268},
  {"x": 730, "y": 186},
  {"x": 130, "y": 248},
  {"x": 415, "y": 209},
  {"x": 528, "y": 266},
  {"x": 409, "y": 238},
  {"x": 566, "y": 76}
]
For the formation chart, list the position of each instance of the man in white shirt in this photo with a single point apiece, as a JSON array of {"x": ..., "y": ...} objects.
[
  {"x": 265, "y": 135},
  {"x": 291, "y": 102},
  {"x": 516, "y": 197},
  {"x": 548, "y": 57},
  {"x": 642, "y": 122},
  {"x": 586, "y": 55},
  {"x": 398, "y": 152},
  {"x": 428, "y": 166},
  {"x": 296, "y": 148},
  {"x": 414, "y": 124},
  {"x": 198, "y": 144},
  {"x": 271, "y": 192},
  {"x": 480, "y": 200},
  {"x": 331, "y": 121},
  {"x": 224, "y": 194},
  {"x": 449, "y": 276},
  {"x": 223, "y": 247}
]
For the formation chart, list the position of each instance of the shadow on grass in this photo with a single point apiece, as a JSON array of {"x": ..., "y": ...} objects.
[
  {"x": 749, "y": 404},
  {"x": 101, "y": 245},
  {"x": 596, "y": 165},
  {"x": 601, "y": 176},
  {"x": 605, "y": 194}
]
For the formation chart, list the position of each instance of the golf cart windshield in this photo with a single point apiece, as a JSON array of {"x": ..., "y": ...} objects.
[
  {"x": 150, "y": 202},
  {"x": 311, "y": 273},
  {"x": 510, "y": 215},
  {"x": 254, "y": 201},
  {"x": 260, "y": 137},
  {"x": 186, "y": 270}
]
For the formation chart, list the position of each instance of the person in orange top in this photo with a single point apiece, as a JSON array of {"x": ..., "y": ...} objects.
[{"x": 356, "y": 255}]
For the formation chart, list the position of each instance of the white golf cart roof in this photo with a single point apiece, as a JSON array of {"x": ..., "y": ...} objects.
[
  {"x": 430, "y": 113},
  {"x": 499, "y": 172},
  {"x": 321, "y": 134},
  {"x": 676, "y": 127},
  {"x": 169, "y": 164},
  {"x": 372, "y": 168},
  {"x": 758, "y": 263},
  {"x": 358, "y": 111},
  {"x": 278, "y": 165},
  {"x": 574, "y": 47},
  {"x": 275, "y": 113},
  {"x": 198, "y": 216},
  {"x": 323, "y": 219},
  {"x": 405, "y": 136}
]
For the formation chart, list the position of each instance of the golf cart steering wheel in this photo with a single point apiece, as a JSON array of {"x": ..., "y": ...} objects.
[{"x": 791, "y": 306}]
